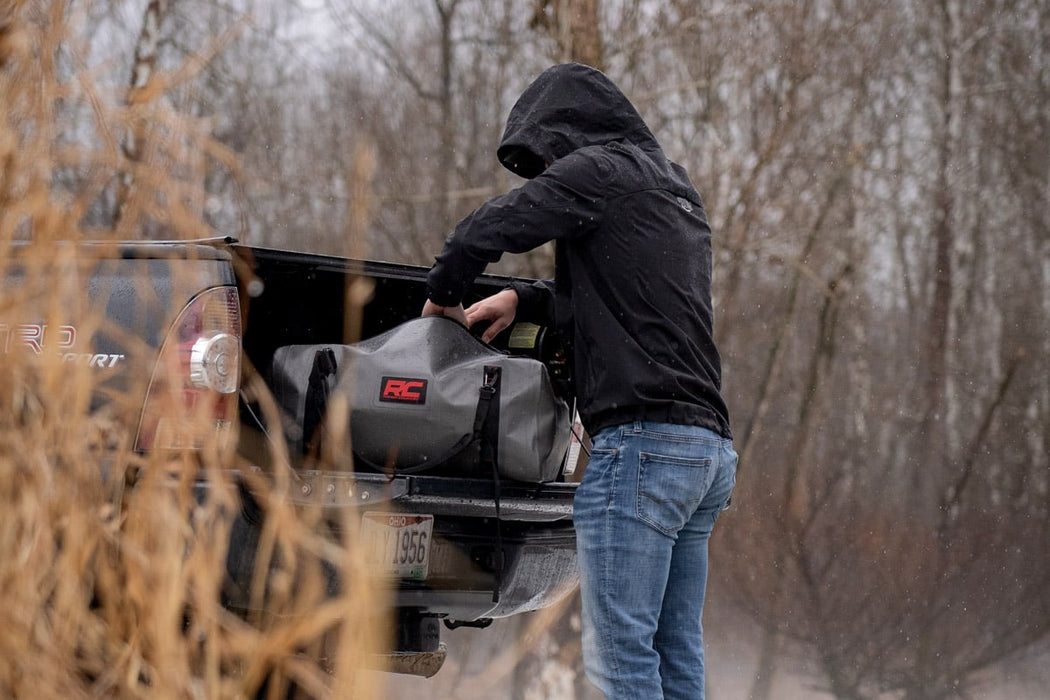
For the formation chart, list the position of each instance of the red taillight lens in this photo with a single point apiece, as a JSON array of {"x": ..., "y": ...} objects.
[{"x": 192, "y": 396}]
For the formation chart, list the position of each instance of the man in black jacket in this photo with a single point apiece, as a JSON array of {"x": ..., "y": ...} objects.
[{"x": 631, "y": 300}]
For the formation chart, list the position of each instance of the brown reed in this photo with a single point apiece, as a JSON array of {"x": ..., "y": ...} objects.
[{"x": 112, "y": 568}]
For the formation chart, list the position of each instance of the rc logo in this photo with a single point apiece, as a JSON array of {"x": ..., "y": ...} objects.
[{"x": 403, "y": 390}]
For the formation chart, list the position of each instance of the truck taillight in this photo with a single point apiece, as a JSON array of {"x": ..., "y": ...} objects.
[{"x": 192, "y": 396}]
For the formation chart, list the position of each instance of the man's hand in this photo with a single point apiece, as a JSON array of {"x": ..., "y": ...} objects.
[
  {"x": 498, "y": 308},
  {"x": 453, "y": 312}
]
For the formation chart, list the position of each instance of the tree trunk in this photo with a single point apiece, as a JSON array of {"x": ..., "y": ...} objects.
[
  {"x": 446, "y": 10},
  {"x": 141, "y": 71},
  {"x": 932, "y": 433},
  {"x": 574, "y": 26}
]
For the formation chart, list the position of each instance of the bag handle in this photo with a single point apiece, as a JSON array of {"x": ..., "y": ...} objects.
[{"x": 318, "y": 390}]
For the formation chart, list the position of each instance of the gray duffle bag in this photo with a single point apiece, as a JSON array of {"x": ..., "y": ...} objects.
[{"x": 427, "y": 396}]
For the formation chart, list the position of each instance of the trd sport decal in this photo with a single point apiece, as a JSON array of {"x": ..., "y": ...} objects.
[
  {"x": 41, "y": 338},
  {"x": 403, "y": 390}
]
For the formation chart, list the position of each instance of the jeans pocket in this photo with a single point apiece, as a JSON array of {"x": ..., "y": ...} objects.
[{"x": 670, "y": 489}]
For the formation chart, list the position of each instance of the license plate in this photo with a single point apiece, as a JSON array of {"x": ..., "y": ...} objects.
[{"x": 398, "y": 544}]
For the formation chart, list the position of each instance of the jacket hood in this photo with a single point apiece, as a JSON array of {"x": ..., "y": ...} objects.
[{"x": 568, "y": 107}]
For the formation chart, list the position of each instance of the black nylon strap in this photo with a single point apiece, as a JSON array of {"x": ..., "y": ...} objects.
[
  {"x": 318, "y": 389},
  {"x": 451, "y": 453},
  {"x": 487, "y": 429}
]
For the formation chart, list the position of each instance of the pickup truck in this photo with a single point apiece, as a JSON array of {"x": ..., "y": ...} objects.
[{"x": 207, "y": 314}]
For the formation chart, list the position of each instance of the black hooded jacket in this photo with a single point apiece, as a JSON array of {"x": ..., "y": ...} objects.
[{"x": 632, "y": 291}]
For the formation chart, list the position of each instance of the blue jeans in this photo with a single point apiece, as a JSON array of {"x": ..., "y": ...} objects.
[{"x": 643, "y": 515}]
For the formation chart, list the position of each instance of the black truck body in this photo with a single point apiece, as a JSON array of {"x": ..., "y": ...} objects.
[{"x": 143, "y": 315}]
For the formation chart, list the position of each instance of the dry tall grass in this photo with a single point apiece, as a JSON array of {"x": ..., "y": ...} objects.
[{"x": 111, "y": 568}]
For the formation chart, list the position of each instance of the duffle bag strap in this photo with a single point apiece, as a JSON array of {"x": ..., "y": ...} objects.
[
  {"x": 318, "y": 389},
  {"x": 486, "y": 427},
  {"x": 486, "y": 418}
]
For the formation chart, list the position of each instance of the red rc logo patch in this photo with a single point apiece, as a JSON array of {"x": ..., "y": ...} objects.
[{"x": 403, "y": 390}]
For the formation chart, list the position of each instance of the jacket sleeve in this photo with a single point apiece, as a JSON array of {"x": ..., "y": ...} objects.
[
  {"x": 535, "y": 301},
  {"x": 566, "y": 201}
]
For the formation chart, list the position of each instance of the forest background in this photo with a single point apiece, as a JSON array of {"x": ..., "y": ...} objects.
[{"x": 877, "y": 176}]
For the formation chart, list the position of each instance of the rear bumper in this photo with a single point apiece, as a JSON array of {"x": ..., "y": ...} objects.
[
  {"x": 437, "y": 495},
  {"x": 465, "y": 581}
]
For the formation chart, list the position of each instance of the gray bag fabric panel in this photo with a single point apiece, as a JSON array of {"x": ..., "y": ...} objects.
[{"x": 414, "y": 393}]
